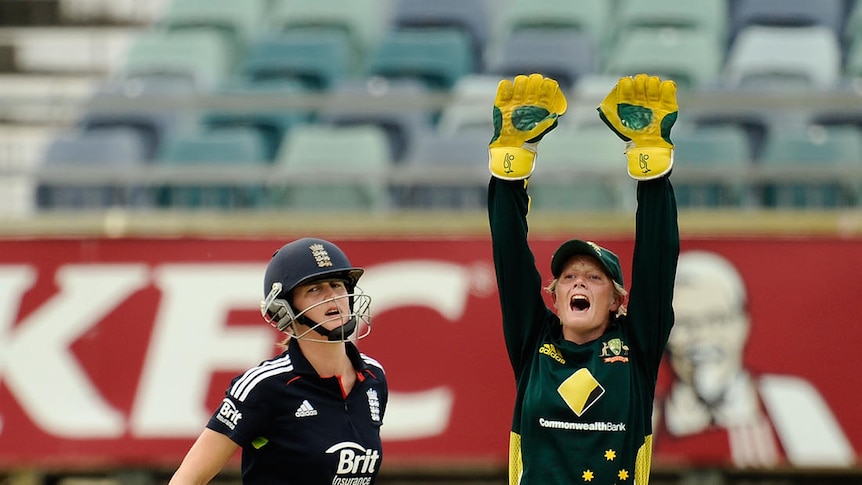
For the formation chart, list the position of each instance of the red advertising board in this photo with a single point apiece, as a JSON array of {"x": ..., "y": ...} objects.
[{"x": 116, "y": 351}]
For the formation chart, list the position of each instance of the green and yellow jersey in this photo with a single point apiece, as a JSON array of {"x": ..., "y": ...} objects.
[{"x": 583, "y": 412}]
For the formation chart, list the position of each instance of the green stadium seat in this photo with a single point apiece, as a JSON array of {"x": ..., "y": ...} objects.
[
  {"x": 589, "y": 16},
  {"x": 339, "y": 167},
  {"x": 116, "y": 151},
  {"x": 786, "y": 58},
  {"x": 709, "y": 17},
  {"x": 238, "y": 21},
  {"x": 724, "y": 151},
  {"x": 460, "y": 156},
  {"x": 807, "y": 148},
  {"x": 101, "y": 112},
  {"x": 581, "y": 169},
  {"x": 228, "y": 148},
  {"x": 438, "y": 58},
  {"x": 364, "y": 21},
  {"x": 317, "y": 60},
  {"x": 469, "y": 106},
  {"x": 787, "y": 13},
  {"x": 758, "y": 123},
  {"x": 559, "y": 54},
  {"x": 693, "y": 58},
  {"x": 347, "y": 105},
  {"x": 853, "y": 60},
  {"x": 852, "y": 23},
  {"x": 202, "y": 57},
  {"x": 467, "y": 16},
  {"x": 252, "y": 109}
]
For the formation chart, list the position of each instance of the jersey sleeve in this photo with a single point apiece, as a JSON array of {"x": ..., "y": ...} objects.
[
  {"x": 654, "y": 260},
  {"x": 519, "y": 283},
  {"x": 242, "y": 417}
]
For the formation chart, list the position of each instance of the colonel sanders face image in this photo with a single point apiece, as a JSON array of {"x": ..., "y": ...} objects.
[
  {"x": 707, "y": 342},
  {"x": 754, "y": 418}
]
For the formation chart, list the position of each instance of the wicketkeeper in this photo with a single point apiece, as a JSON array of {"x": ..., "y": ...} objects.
[{"x": 585, "y": 369}]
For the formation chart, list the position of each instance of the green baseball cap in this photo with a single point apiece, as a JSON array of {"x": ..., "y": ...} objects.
[{"x": 575, "y": 247}]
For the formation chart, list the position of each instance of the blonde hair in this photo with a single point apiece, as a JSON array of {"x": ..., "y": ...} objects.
[
  {"x": 285, "y": 343},
  {"x": 619, "y": 292}
]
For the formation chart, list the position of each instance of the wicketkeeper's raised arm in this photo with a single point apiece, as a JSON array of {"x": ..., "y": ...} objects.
[
  {"x": 642, "y": 110},
  {"x": 525, "y": 109}
]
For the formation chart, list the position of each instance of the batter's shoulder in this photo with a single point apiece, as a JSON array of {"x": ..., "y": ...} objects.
[
  {"x": 372, "y": 362},
  {"x": 269, "y": 372}
]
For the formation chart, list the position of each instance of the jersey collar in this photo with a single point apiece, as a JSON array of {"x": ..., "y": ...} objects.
[{"x": 301, "y": 365}]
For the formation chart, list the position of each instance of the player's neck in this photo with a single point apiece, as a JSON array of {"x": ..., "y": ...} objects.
[{"x": 328, "y": 359}]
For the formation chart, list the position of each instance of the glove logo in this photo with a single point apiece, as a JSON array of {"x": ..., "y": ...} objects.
[
  {"x": 507, "y": 162},
  {"x": 643, "y": 158}
]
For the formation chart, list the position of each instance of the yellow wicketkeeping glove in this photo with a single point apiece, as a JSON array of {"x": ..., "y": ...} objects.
[
  {"x": 524, "y": 111},
  {"x": 642, "y": 111}
]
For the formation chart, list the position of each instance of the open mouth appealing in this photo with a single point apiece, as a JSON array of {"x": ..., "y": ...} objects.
[{"x": 579, "y": 303}]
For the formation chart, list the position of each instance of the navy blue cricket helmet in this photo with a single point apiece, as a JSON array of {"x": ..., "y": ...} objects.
[{"x": 306, "y": 260}]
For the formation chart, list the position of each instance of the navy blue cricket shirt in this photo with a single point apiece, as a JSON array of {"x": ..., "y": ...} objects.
[{"x": 296, "y": 427}]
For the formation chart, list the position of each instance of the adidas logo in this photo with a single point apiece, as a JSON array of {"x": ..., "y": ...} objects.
[
  {"x": 551, "y": 351},
  {"x": 305, "y": 410}
]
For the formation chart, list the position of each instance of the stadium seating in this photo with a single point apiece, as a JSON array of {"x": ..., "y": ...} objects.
[
  {"x": 831, "y": 115},
  {"x": 853, "y": 60},
  {"x": 590, "y": 16},
  {"x": 438, "y": 58},
  {"x": 585, "y": 96},
  {"x": 249, "y": 104},
  {"x": 722, "y": 151},
  {"x": 113, "y": 152},
  {"x": 470, "y": 105},
  {"x": 364, "y": 21},
  {"x": 317, "y": 60},
  {"x": 105, "y": 110},
  {"x": 787, "y": 13},
  {"x": 462, "y": 158},
  {"x": 348, "y": 104},
  {"x": 204, "y": 58},
  {"x": 238, "y": 21},
  {"x": 562, "y": 55},
  {"x": 693, "y": 58},
  {"x": 467, "y": 16},
  {"x": 852, "y": 22},
  {"x": 201, "y": 152},
  {"x": 334, "y": 168},
  {"x": 758, "y": 124},
  {"x": 434, "y": 65},
  {"x": 807, "y": 148},
  {"x": 706, "y": 16},
  {"x": 582, "y": 169},
  {"x": 784, "y": 58}
]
